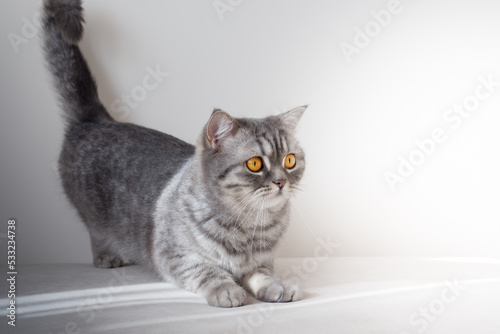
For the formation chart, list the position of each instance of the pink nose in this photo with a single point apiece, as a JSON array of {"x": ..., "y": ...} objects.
[{"x": 280, "y": 183}]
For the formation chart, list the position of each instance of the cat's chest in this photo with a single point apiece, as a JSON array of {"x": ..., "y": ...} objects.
[
  {"x": 239, "y": 246},
  {"x": 238, "y": 264}
]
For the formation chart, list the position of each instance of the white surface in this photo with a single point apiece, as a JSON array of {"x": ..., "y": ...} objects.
[
  {"x": 265, "y": 57},
  {"x": 341, "y": 295}
]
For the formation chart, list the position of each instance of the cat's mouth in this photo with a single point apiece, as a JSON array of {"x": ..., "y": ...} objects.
[
  {"x": 275, "y": 196},
  {"x": 270, "y": 195}
]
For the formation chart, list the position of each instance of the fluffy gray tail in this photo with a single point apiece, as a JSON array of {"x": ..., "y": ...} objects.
[{"x": 63, "y": 28}]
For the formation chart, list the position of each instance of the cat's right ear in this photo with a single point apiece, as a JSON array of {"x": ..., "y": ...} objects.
[{"x": 220, "y": 126}]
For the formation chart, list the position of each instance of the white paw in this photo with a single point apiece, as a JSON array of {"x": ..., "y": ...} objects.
[{"x": 278, "y": 291}]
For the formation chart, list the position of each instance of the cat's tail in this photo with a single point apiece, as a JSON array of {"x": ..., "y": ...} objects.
[{"x": 63, "y": 29}]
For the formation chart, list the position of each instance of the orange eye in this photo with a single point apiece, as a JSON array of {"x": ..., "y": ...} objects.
[
  {"x": 290, "y": 161},
  {"x": 254, "y": 164}
]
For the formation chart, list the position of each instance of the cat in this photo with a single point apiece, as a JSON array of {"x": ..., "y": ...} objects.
[{"x": 208, "y": 217}]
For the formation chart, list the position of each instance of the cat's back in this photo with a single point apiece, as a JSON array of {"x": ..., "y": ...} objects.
[
  {"x": 110, "y": 169},
  {"x": 126, "y": 147}
]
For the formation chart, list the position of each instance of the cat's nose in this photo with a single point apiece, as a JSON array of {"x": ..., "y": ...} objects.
[{"x": 280, "y": 183}]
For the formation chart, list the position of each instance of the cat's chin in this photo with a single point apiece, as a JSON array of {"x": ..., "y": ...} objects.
[{"x": 275, "y": 199}]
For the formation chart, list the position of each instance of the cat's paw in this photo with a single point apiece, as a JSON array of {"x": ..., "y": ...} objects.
[
  {"x": 109, "y": 261},
  {"x": 277, "y": 291},
  {"x": 227, "y": 294}
]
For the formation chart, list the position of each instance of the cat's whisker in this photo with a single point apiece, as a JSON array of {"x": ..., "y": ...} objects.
[
  {"x": 295, "y": 188},
  {"x": 244, "y": 199},
  {"x": 240, "y": 223},
  {"x": 262, "y": 223},
  {"x": 258, "y": 220},
  {"x": 236, "y": 213}
]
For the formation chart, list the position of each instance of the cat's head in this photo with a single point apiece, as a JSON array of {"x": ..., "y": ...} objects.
[{"x": 256, "y": 163}]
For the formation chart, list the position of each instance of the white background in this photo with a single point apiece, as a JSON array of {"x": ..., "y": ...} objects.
[{"x": 265, "y": 57}]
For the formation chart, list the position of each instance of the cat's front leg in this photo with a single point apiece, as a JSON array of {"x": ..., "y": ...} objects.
[
  {"x": 224, "y": 294},
  {"x": 208, "y": 280},
  {"x": 265, "y": 286}
]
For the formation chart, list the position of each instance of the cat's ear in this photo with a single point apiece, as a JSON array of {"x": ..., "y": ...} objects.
[
  {"x": 290, "y": 119},
  {"x": 220, "y": 126}
]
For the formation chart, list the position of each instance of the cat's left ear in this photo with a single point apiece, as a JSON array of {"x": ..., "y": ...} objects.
[
  {"x": 220, "y": 126},
  {"x": 290, "y": 119}
]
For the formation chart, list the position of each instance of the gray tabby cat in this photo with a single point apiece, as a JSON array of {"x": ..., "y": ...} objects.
[{"x": 208, "y": 217}]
